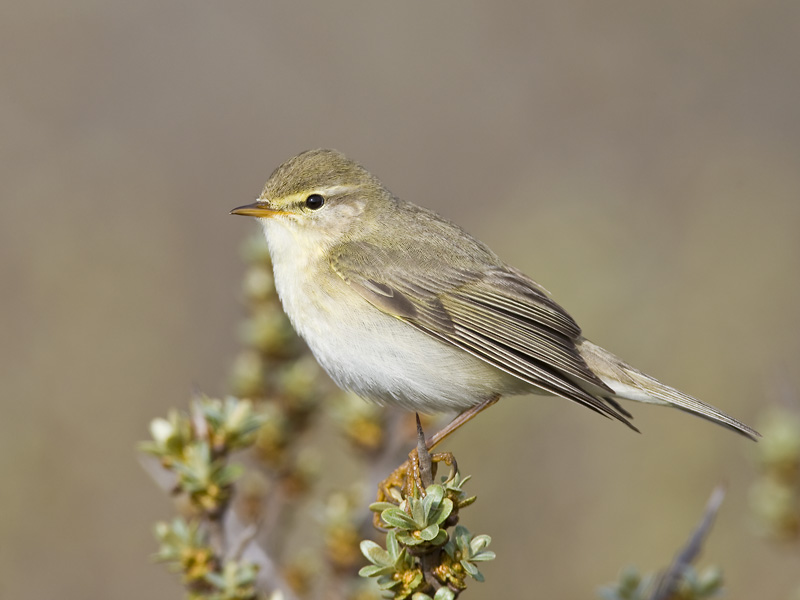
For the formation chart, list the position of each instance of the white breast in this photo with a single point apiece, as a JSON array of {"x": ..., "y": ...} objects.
[{"x": 377, "y": 356}]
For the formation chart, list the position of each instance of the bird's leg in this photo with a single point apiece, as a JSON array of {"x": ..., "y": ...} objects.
[
  {"x": 420, "y": 461},
  {"x": 461, "y": 419},
  {"x": 420, "y": 468},
  {"x": 423, "y": 475},
  {"x": 414, "y": 475},
  {"x": 421, "y": 465}
]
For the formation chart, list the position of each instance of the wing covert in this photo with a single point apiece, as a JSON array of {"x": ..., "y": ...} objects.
[{"x": 496, "y": 314}]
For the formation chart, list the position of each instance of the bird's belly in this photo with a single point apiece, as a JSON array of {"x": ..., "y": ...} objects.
[
  {"x": 391, "y": 362},
  {"x": 386, "y": 360}
]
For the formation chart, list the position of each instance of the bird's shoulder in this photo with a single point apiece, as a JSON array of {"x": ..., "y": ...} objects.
[{"x": 435, "y": 268}]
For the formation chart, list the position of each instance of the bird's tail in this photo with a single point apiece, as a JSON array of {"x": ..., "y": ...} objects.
[{"x": 631, "y": 384}]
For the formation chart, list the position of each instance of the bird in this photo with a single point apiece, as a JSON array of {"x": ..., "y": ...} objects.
[{"x": 403, "y": 307}]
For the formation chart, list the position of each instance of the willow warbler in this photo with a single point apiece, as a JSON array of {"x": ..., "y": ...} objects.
[{"x": 403, "y": 307}]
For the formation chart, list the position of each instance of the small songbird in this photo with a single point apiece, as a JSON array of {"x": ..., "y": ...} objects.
[{"x": 403, "y": 307}]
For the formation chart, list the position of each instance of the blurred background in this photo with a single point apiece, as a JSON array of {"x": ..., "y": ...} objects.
[{"x": 641, "y": 161}]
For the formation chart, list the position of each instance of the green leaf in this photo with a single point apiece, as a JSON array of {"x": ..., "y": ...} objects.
[
  {"x": 398, "y": 518},
  {"x": 444, "y": 593},
  {"x": 441, "y": 512},
  {"x": 433, "y": 498},
  {"x": 469, "y": 567},
  {"x": 375, "y": 571},
  {"x": 467, "y": 501},
  {"x": 388, "y": 583},
  {"x": 472, "y": 570},
  {"x": 450, "y": 548},
  {"x": 440, "y": 539},
  {"x": 407, "y": 539},
  {"x": 392, "y": 546},
  {"x": 479, "y": 542},
  {"x": 381, "y": 506},
  {"x": 418, "y": 513},
  {"x": 462, "y": 536},
  {"x": 429, "y": 533},
  {"x": 375, "y": 554}
]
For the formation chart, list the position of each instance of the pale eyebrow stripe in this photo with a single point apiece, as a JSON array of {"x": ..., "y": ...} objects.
[{"x": 301, "y": 196}]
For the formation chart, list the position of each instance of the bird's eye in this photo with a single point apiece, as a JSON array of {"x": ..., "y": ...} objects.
[{"x": 315, "y": 201}]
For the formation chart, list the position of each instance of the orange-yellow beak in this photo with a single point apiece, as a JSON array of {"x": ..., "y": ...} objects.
[{"x": 257, "y": 209}]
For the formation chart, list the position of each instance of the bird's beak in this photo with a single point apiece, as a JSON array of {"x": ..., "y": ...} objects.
[{"x": 257, "y": 209}]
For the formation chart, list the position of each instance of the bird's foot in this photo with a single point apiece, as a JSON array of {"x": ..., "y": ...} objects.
[{"x": 414, "y": 475}]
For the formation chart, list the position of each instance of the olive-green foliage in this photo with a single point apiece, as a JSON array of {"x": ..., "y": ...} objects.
[
  {"x": 195, "y": 448},
  {"x": 422, "y": 558}
]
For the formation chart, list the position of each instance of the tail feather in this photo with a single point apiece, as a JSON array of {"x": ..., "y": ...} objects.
[{"x": 631, "y": 384}]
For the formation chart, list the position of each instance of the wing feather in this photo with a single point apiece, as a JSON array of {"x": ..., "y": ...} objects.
[
  {"x": 495, "y": 314},
  {"x": 526, "y": 338}
]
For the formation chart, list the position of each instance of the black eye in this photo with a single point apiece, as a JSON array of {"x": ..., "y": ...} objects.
[{"x": 315, "y": 201}]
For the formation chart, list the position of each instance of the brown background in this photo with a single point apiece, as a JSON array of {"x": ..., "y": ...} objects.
[{"x": 639, "y": 159}]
